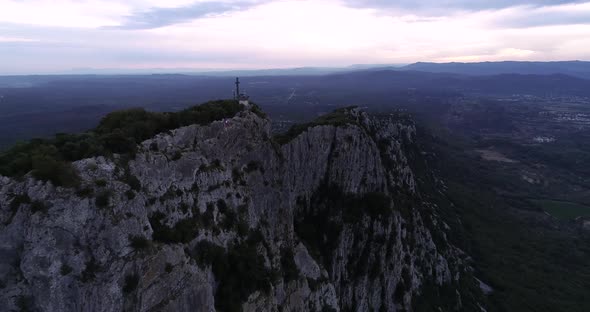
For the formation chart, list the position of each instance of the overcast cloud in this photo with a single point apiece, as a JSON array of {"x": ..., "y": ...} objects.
[
  {"x": 447, "y": 5},
  {"x": 43, "y": 36}
]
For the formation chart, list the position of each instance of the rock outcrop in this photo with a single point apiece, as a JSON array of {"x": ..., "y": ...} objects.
[{"x": 221, "y": 217}]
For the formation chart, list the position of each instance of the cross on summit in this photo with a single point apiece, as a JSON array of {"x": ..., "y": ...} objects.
[{"x": 241, "y": 97}]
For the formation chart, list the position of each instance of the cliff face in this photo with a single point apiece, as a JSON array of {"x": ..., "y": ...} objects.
[{"x": 221, "y": 217}]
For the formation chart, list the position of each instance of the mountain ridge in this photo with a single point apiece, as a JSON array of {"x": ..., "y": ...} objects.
[
  {"x": 579, "y": 69},
  {"x": 331, "y": 219}
]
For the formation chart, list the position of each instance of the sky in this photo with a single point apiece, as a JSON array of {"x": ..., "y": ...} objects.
[{"x": 58, "y": 36}]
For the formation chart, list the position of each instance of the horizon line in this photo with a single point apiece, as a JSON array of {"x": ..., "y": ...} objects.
[{"x": 205, "y": 71}]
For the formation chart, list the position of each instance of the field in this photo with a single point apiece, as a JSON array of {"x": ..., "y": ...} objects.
[
  {"x": 563, "y": 210},
  {"x": 491, "y": 155}
]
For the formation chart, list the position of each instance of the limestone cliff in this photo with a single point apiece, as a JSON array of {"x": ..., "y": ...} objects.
[{"x": 221, "y": 217}]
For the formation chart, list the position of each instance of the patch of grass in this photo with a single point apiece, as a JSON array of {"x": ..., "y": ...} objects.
[{"x": 563, "y": 210}]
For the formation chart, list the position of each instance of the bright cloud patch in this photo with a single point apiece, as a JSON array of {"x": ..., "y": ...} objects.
[{"x": 57, "y": 35}]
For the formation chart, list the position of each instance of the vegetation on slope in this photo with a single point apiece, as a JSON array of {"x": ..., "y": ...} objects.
[
  {"x": 337, "y": 118},
  {"x": 531, "y": 264},
  {"x": 119, "y": 132},
  {"x": 239, "y": 270}
]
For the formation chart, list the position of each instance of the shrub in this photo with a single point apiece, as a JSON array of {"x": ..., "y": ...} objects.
[
  {"x": 230, "y": 220},
  {"x": 288, "y": 266},
  {"x": 168, "y": 268},
  {"x": 118, "y": 132},
  {"x": 206, "y": 253},
  {"x": 400, "y": 290},
  {"x": 90, "y": 271},
  {"x": 131, "y": 180},
  {"x": 130, "y": 194},
  {"x": 258, "y": 111},
  {"x": 253, "y": 166},
  {"x": 242, "y": 228},
  {"x": 222, "y": 206},
  {"x": 215, "y": 165},
  {"x": 183, "y": 231},
  {"x": 37, "y": 206},
  {"x": 184, "y": 207},
  {"x": 65, "y": 269},
  {"x": 208, "y": 217},
  {"x": 48, "y": 168},
  {"x": 100, "y": 183},
  {"x": 139, "y": 242},
  {"x": 372, "y": 204},
  {"x": 339, "y": 117},
  {"x": 237, "y": 176},
  {"x": 154, "y": 147},
  {"x": 240, "y": 271},
  {"x": 177, "y": 155},
  {"x": 18, "y": 200},
  {"x": 103, "y": 199},
  {"x": 24, "y": 303},
  {"x": 86, "y": 191},
  {"x": 327, "y": 308},
  {"x": 131, "y": 282}
]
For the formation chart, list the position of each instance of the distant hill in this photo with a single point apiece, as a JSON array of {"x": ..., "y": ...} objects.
[
  {"x": 579, "y": 69},
  {"x": 294, "y": 71}
]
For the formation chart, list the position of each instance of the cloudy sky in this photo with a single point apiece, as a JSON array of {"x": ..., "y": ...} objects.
[{"x": 47, "y": 36}]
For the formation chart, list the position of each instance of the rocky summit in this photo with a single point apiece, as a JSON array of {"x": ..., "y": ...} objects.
[{"x": 224, "y": 217}]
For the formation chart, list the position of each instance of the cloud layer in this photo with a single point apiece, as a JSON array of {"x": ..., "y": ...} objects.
[
  {"x": 158, "y": 17},
  {"x": 446, "y": 5},
  {"x": 40, "y": 36}
]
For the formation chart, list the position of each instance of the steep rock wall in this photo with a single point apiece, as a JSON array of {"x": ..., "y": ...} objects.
[{"x": 222, "y": 217}]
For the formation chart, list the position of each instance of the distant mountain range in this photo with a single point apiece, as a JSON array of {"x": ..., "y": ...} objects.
[
  {"x": 294, "y": 71},
  {"x": 579, "y": 69}
]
